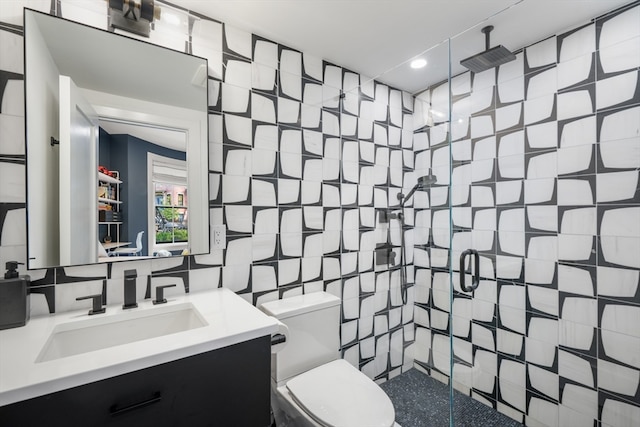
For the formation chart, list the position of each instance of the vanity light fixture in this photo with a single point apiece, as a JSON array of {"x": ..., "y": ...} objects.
[
  {"x": 134, "y": 16},
  {"x": 418, "y": 63}
]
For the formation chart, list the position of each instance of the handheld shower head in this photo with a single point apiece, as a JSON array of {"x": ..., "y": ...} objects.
[{"x": 424, "y": 182}]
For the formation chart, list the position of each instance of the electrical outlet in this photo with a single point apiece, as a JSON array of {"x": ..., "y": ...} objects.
[{"x": 219, "y": 237}]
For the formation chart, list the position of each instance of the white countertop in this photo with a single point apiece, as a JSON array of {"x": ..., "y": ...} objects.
[{"x": 230, "y": 319}]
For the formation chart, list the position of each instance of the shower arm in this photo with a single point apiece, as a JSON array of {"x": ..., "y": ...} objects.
[{"x": 403, "y": 199}]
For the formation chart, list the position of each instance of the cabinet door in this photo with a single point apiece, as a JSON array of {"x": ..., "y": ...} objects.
[{"x": 225, "y": 387}]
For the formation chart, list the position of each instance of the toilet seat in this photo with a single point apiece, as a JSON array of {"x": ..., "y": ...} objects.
[{"x": 337, "y": 394}]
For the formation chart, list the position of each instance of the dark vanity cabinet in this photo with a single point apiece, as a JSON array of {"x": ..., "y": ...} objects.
[{"x": 225, "y": 387}]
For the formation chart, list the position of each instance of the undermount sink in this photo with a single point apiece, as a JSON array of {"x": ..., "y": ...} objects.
[{"x": 98, "y": 333}]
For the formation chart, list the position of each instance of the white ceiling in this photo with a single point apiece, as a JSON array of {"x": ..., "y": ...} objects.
[{"x": 376, "y": 38}]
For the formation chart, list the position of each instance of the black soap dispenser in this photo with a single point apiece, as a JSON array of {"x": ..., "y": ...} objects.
[{"x": 14, "y": 298}]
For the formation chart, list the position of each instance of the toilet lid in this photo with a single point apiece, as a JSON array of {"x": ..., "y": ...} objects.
[{"x": 337, "y": 394}]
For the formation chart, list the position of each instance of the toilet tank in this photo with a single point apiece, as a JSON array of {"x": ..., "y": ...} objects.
[{"x": 314, "y": 338}]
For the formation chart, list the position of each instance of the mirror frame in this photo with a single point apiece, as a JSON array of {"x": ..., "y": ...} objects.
[{"x": 194, "y": 123}]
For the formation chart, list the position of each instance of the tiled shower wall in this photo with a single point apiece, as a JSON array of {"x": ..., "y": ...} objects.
[
  {"x": 296, "y": 175},
  {"x": 545, "y": 185}
]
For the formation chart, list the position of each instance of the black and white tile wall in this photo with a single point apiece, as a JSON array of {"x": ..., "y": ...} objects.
[
  {"x": 545, "y": 185},
  {"x": 297, "y": 174}
]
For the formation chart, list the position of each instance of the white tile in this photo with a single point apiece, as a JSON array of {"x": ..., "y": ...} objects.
[
  {"x": 239, "y": 252},
  {"x": 621, "y": 125},
  {"x": 312, "y": 66},
  {"x": 542, "y": 413},
  {"x": 543, "y": 248},
  {"x": 623, "y": 348},
  {"x": 291, "y": 61},
  {"x": 542, "y": 53},
  {"x": 288, "y": 271},
  {"x": 538, "y": 109},
  {"x": 264, "y": 246},
  {"x": 511, "y": 90},
  {"x": 538, "y": 190},
  {"x": 13, "y": 188},
  {"x": 621, "y": 222},
  {"x": 575, "y": 192},
  {"x": 238, "y": 128},
  {"x": 267, "y": 221},
  {"x": 617, "y": 282},
  {"x": 511, "y": 144},
  {"x": 576, "y": 335},
  {"x": 540, "y": 353},
  {"x": 580, "y": 310},
  {"x": 574, "y": 71},
  {"x": 579, "y": 221},
  {"x": 621, "y": 56},
  {"x": 288, "y": 112},
  {"x": 484, "y": 79},
  {"x": 265, "y": 138},
  {"x": 263, "y": 193},
  {"x": 583, "y": 400},
  {"x": 575, "y": 247},
  {"x": 570, "y": 417},
  {"x": 543, "y": 83},
  {"x": 575, "y": 159},
  {"x": 513, "y": 318},
  {"x": 239, "y": 218},
  {"x": 539, "y": 271},
  {"x": 574, "y": 104},
  {"x": 291, "y": 85},
  {"x": 621, "y": 154},
  {"x": 575, "y": 280},
  {"x": 542, "y": 166},
  {"x": 617, "y": 413},
  {"x": 512, "y": 383},
  {"x": 14, "y": 231},
  {"x": 616, "y": 186},
  {"x": 547, "y": 383},
  {"x": 580, "y": 42},
  {"x": 265, "y": 52},
  {"x": 622, "y": 27},
  {"x": 616, "y": 90},
  {"x": 543, "y": 218},
  {"x": 544, "y": 135},
  {"x": 543, "y": 299},
  {"x": 235, "y": 188},
  {"x": 544, "y": 330},
  {"x": 291, "y": 221},
  {"x": 13, "y": 105},
  {"x": 617, "y": 378},
  {"x": 509, "y": 116},
  {"x": 575, "y": 368},
  {"x": 579, "y": 132},
  {"x": 621, "y": 318}
]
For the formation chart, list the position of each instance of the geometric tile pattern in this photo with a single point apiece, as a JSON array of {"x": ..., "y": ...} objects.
[
  {"x": 546, "y": 186},
  {"x": 303, "y": 155}
]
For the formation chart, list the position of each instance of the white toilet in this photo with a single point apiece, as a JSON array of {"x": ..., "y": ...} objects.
[{"x": 310, "y": 384}]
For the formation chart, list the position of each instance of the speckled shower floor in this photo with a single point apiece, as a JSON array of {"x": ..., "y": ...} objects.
[{"x": 421, "y": 401}]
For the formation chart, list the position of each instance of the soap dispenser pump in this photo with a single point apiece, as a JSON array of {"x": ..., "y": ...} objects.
[{"x": 14, "y": 297}]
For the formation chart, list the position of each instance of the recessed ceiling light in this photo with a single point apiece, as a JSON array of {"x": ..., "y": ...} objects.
[{"x": 418, "y": 63}]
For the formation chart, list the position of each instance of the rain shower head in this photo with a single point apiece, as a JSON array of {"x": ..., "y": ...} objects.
[{"x": 490, "y": 58}]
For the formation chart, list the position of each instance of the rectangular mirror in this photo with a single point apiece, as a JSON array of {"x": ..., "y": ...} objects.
[{"x": 117, "y": 146}]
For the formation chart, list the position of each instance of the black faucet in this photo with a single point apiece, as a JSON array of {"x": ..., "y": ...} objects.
[{"x": 130, "y": 277}]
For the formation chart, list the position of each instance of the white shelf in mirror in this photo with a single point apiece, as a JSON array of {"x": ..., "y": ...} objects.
[{"x": 108, "y": 179}]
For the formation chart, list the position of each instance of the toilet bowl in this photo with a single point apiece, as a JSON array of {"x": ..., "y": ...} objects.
[{"x": 310, "y": 384}]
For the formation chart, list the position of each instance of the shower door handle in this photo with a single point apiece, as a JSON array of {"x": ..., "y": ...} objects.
[{"x": 476, "y": 273}]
